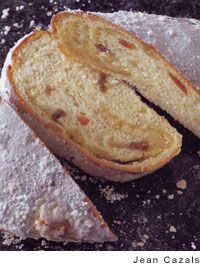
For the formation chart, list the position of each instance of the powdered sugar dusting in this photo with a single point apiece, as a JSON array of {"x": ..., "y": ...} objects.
[
  {"x": 144, "y": 216},
  {"x": 177, "y": 39},
  {"x": 5, "y": 13},
  {"x": 110, "y": 194},
  {"x": 37, "y": 194}
]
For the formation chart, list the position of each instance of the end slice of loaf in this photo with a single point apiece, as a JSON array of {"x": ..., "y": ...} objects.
[
  {"x": 38, "y": 197},
  {"x": 87, "y": 116},
  {"x": 92, "y": 40}
]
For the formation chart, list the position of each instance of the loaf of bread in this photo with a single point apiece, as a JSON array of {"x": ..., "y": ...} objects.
[
  {"x": 38, "y": 197},
  {"x": 87, "y": 116},
  {"x": 89, "y": 39}
]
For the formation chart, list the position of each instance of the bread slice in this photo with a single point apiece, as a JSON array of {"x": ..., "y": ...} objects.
[
  {"x": 176, "y": 38},
  {"x": 86, "y": 116},
  {"x": 38, "y": 197},
  {"x": 92, "y": 40}
]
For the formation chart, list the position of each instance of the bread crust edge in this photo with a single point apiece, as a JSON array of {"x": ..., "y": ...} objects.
[
  {"x": 56, "y": 18},
  {"x": 65, "y": 148}
]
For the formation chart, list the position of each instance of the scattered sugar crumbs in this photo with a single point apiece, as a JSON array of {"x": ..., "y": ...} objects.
[
  {"x": 179, "y": 192},
  {"x": 9, "y": 240},
  {"x": 19, "y": 7},
  {"x": 32, "y": 23},
  {"x": 5, "y": 13},
  {"x": 181, "y": 184},
  {"x": 45, "y": 244},
  {"x": 110, "y": 194},
  {"x": 84, "y": 178},
  {"x": 78, "y": 176},
  {"x": 6, "y": 29},
  {"x": 140, "y": 243},
  {"x": 117, "y": 222},
  {"x": 172, "y": 229},
  {"x": 171, "y": 196},
  {"x": 193, "y": 246},
  {"x": 164, "y": 191}
]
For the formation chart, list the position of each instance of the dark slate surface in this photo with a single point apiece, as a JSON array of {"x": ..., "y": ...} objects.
[{"x": 151, "y": 205}]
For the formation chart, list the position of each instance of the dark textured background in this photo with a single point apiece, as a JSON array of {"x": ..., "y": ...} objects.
[{"x": 142, "y": 220}]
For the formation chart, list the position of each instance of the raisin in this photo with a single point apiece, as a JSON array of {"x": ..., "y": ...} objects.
[
  {"x": 102, "y": 81},
  {"x": 57, "y": 114},
  {"x": 126, "y": 44},
  {"x": 83, "y": 120},
  {"x": 101, "y": 48},
  {"x": 178, "y": 83}
]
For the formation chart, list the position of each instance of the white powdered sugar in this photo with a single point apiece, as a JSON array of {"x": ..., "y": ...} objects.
[
  {"x": 32, "y": 23},
  {"x": 5, "y": 13},
  {"x": 37, "y": 194},
  {"x": 176, "y": 38},
  {"x": 110, "y": 194},
  {"x": 19, "y": 7},
  {"x": 38, "y": 198},
  {"x": 6, "y": 29}
]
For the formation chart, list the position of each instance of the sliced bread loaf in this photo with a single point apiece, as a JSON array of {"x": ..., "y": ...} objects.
[
  {"x": 38, "y": 197},
  {"x": 92, "y": 40},
  {"x": 84, "y": 115}
]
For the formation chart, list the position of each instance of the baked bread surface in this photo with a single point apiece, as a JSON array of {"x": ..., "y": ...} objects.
[
  {"x": 38, "y": 197},
  {"x": 89, "y": 39},
  {"x": 90, "y": 115}
]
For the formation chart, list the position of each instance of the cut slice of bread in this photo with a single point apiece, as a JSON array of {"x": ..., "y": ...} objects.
[
  {"x": 176, "y": 38},
  {"x": 86, "y": 116},
  {"x": 38, "y": 197},
  {"x": 89, "y": 39}
]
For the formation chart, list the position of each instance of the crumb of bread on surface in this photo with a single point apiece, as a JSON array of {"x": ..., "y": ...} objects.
[
  {"x": 16, "y": 24},
  {"x": 5, "y": 13},
  {"x": 110, "y": 195},
  {"x": 32, "y": 23},
  {"x": 179, "y": 192},
  {"x": 117, "y": 222},
  {"x": 193, "y": 246},
  {"x": 19, "y": 7},
  {"x": 146, "y": 236},
  {"x": 171, "y": 196},
  {"x": 164, "y": 191},
  {"x": 9, "y": 239},
  {"x": 172, "y": 229},
  {"x": 181, "y": 184},
  {"x": 44, "y": 243},
  {"x": 140, "y": 244},
  {"x": 6, "y": 29},
  {"x": 38, "y": 28},
  {"x": 142, "y": 241},
  {"x": 146, "y": 202}
]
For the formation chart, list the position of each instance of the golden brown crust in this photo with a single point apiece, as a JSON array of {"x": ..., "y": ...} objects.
[
  {"x": 56, "y": 19},
  {"x": 124, "y": 172}
]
